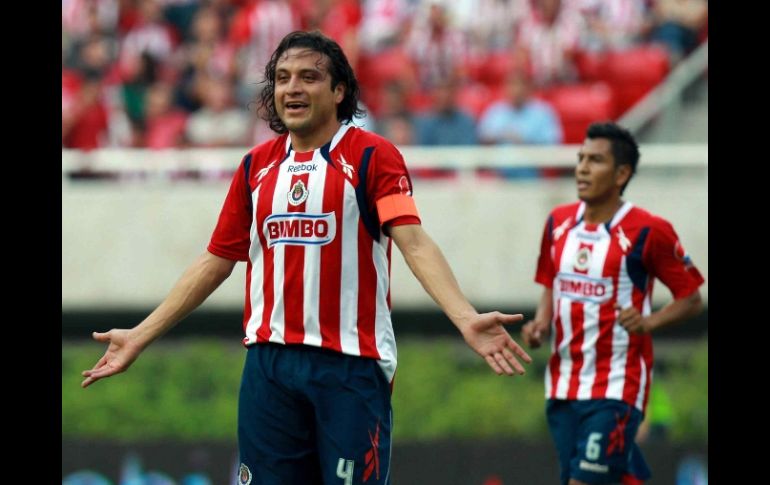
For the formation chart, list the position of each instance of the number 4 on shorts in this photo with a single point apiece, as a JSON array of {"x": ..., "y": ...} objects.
[{"x": 345, "y": 470}]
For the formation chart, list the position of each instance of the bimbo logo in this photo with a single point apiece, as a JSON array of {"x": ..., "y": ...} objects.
[
  {"x": 578, "y": 287},
  {"x": 299, "y": 229}
]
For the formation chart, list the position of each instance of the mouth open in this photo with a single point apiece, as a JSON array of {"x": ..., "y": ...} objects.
[{"x": 295, "y": 107}]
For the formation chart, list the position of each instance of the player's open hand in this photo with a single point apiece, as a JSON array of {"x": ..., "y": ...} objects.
[
  {"x": 121, "y": 352},
  {"x": 533, "y": 332},
  {"x": 630, "y": 319},
  {"x": 485, "y": 334}
]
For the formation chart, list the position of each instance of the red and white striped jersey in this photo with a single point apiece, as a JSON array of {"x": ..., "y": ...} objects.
[
  {"x": 590, "y": 268},
  {"x": 309, "y": 226}
]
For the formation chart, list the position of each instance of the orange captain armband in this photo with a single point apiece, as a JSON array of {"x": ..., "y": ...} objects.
[{"x": 396, "y": 205}]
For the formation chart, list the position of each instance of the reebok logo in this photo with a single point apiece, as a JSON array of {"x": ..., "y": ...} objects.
[{"x": 372, "y": 459}]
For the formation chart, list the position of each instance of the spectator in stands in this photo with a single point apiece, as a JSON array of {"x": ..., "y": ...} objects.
[
  {"x": 519, "y": 118},
  {"x": 395, "y": 121},
  {"x": 151, "y": 36},
  {"x": 446, "y": 123},
  {"x": 164, "y": 122},
  {"x": 549, "y": 38},
  {"x": 340, "y": 22},
  {"x": 437, "y": 49},
  {"x": 615, "y": 25},
  {"x": 384, "y": 24},
  {"x": 256, "y": 28},
  {"x": 207, "y": 53},
  {"x": 84, "y": 123},
  {"x": 489, "y": 25},
  {"x": 678, "y": 24},
  {"x": 217, "y": 123}
]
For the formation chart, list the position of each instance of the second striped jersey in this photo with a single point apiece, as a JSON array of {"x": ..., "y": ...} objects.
[{"x": 591, "y": 268}]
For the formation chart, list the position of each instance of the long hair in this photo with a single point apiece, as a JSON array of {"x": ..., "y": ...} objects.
[{"x": 339, "y": 68}]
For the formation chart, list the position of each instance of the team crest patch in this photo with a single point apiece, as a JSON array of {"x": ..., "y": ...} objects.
[
  {"x": 583, "y": 259},
  {"x": 298, "y": 193},
  {"x": 244, "y": 475},
  {"x": 403, "y": 185}
]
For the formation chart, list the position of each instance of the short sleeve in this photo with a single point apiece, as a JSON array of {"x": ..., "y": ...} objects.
[
  {"x": 545, "y": 272},
  {"x": 391, "y": 186},
  {"x": 231, "y": 235},
  {"x": 667, "y": 260}
]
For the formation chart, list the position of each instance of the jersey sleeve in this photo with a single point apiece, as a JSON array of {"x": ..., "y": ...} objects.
[
  {"x": 231, "y": 235},
  {"x": 669, "y": 262},
  {"x": 391, "y": 187},
  {"x": 546, "y": 272}
]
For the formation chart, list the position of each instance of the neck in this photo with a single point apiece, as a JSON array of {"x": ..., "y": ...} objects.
[
  {"x": 305, "y": 142},
  {"x": 599, "y": 213}
]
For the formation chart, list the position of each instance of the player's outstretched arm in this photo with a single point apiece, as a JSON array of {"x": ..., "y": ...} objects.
[
  {"x": 124, "y": 345},
  {"x": 484, "y": 333}
]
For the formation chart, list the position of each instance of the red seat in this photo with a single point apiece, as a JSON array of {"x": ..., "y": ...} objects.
[
  {"x": 378, "y": 69},
  {"x": 419, "y": 101},
  {"x": 492, "y": 69},
  {"x": 589, "y": 65},
  {"x": 474, "y": 98},
  {"x": 634, "y": 73},
  {"x": 578, "y": 106}
]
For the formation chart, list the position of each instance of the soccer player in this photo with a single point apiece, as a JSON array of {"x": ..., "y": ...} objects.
[
  {"x": 313, "y": 213},
  {"x": 598, "y": 260}
]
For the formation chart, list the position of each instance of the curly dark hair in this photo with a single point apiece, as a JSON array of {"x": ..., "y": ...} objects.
[
  {"x": 339, "y": 68},
  {"x": 625, "y": 150}
]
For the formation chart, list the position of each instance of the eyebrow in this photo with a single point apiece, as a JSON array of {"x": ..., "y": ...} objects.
[
  {"x": 582, "y": 154},
  {"x": 306, "y": 70}
]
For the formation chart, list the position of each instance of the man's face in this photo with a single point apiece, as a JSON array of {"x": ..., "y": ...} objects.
[
  {"x": 304, "y": 99},
  {"x": 597, "y": 178}
]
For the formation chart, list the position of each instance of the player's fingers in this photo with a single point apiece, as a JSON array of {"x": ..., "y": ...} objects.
[
  {"x": 88, "y": 381},
  {"x": 507, "y": 319},
  {"x": 516, "y": 348},
  {"x": 495, "y": 367},
  {"x": 101, "y": 336},
  {"x": 500, "y": 359},
  {"x": 514, "y": 362},
  {"x": 101, "y": 362}
]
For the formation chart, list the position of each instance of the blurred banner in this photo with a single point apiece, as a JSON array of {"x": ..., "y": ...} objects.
[{"x": 498, "y": 462}]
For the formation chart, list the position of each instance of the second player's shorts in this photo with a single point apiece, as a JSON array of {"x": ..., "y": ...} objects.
[
  {"x": 310, "y": 416},
  {"x": 595, "y": 440}
]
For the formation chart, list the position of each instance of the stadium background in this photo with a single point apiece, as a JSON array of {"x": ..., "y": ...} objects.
[{"x": 141, "y": 191}]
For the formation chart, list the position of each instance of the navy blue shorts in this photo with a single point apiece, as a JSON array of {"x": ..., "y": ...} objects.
[
  {"x": 595, "y": 440},
  {"x": 312, "y": 416}
]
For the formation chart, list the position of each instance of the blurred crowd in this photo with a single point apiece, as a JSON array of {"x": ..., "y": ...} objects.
[{"x": 185, "y": 73}]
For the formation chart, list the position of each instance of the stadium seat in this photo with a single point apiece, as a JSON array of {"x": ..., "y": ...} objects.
[
  {"x": 589, "y": 65},
  {"x": 419, "y": 101},
  {"x": 579, "y": 105},
  {"x": 474, "y": 98},
  {"x": 633, "y": 73},
  {"x": 378, "y": 69},
  {"x": 493, "y": 68}
]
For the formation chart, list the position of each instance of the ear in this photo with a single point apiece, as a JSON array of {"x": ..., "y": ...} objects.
[
  {"x": 622, "y": 174},
  {"x": 339, "y": 92}
]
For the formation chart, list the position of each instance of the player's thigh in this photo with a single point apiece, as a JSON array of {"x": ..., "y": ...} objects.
[
  {"x": 605, "y": 441},
  {"x": 563, "y": 424},
  {"x": 353, "y": 421},
  {"x": 276, "y": 429}
]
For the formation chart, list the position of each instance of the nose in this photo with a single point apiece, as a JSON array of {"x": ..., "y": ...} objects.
[
  {"x": 293, "y": 84},
  {"x": 582, "y": 165}
]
